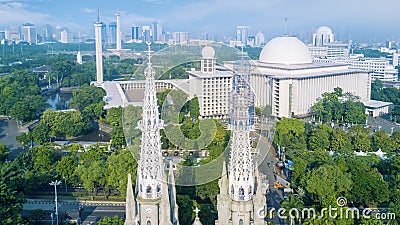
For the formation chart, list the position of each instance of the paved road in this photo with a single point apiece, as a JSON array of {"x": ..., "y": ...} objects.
[
  {"x": 266, "y": 167},
  {"x": 8, "y": 132},
  {"x": 91, "y": 211}
]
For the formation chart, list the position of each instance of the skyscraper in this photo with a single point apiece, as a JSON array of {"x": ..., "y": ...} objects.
[
  {"x": 146, "y": 33},
  {"x": 180, "y": 37},
  {"x": 135, "y": 33},
  {"x": 112, "y": 32},
  {"x": 157, "y": 31},
  {"x": 29, "y": 33},
  {"x": 103, "y": 32},
  {"x": 260, "y": 39},
  {"x": 242, "y": 33}
]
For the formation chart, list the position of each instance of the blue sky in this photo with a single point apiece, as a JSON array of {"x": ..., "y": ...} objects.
[{"x": 362, "y": 20}]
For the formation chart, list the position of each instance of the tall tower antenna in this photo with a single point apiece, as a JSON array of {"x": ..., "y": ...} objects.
[
  {"x": 98, "y": 13},
  {"x": 286, "y": 27}
]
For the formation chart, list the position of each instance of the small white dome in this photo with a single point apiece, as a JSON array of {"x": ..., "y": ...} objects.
[
  {"x": 208, "y": 52},
  {"x": 285, "y": 50},
  {"x": 324, "y": 30}
]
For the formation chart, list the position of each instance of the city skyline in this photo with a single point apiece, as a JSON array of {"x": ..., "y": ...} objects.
[{"x": 371, "y": 22}]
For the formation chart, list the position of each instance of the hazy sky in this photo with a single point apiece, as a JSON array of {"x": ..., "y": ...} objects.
[{"x": 361, "y": 19}]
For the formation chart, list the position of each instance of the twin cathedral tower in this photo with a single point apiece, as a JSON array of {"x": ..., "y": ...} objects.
[{"x": 240, "y": 199}]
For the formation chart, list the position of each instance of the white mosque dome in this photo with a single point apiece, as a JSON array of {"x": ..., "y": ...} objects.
[
  {"x": 324, "y": 30},
  {"x": 285, "y": 50}
]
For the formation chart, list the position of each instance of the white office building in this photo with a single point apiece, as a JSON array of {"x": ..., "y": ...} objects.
[
  {"x": 179, "y": 38},
  {"x": 379, "y": 68},
  {"x": 286, "y": 78},
  {"x": 211, "y": 85}
]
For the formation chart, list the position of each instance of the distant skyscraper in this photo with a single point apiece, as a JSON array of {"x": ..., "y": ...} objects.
[
  {"x": 112, "y": 32},
  {"x": 135, "y": 33},
  {"x": 48, "y": 32},
  {"x": 29, "y": 33},
  {"x": 103, "y": 32},
  {"x": 146, "y": 33},
  {"x": 242, "y": 33},
  {"x": 64, "y": 36},
  {"x": 260, "y": 39},
  {"x": 2, "y": 35},
  {"x": 180, "y": 37},
  {"x": 157, "y": 31}
]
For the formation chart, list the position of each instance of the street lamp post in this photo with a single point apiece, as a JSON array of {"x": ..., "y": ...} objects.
[
  {"x": 55, "y": 183},
  {"x": 65, "y": 182}
]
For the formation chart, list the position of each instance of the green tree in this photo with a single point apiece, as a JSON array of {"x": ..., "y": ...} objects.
[
  {"x": 114, "y": 116},
  {"x": 111, "y": 221},
  {"x": 117, "y": 137},
  {"x": 119, "y": 165},
  {"x": 320, "y": 138},
  {"x": 368, "y": 185},
  {"x": 326, "y": 183},
  {"x": 341, "y": 142},
  {"x": 287, "y": 129},
  {"x": 10, "y": 199},
  {"x": 381, "y": 140},
  {"x": 85, "y": 96},
  {"x": 66, "y": 168},
  {"x": 3, "y": 153},
  {"x": 360, "y": 138},
  {"x": 185, "y": 204}
]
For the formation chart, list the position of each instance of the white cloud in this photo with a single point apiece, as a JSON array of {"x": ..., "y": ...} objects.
[
  {"x": 88, "y": 10},
  {"x": 13, "y": 12}
]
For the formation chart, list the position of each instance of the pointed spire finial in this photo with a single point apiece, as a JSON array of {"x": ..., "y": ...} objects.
[
  {"x": 98, "y": 13},
  {"x": 197, "y": 210},
  {"x": 149, "y": 50}
]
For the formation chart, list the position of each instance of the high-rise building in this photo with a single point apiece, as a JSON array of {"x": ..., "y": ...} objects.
[
  {"x": 48, "y": 32},
  {"x": 260, "y": 39},
  {"x": 2, "y": 35},
  {"x": 242, "y": 33},
  {"x": 64, "y": 36},
  {"x": 146, "y": 33},
  {"x": 112, "y": 32},
  {"x": 156, "y": 31},
  {"x": 135, "y": 33},
  {"x": 180, "y": 37},
  {"x": 103, "y": 32},
  {"x": 29, "y": 33}
]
